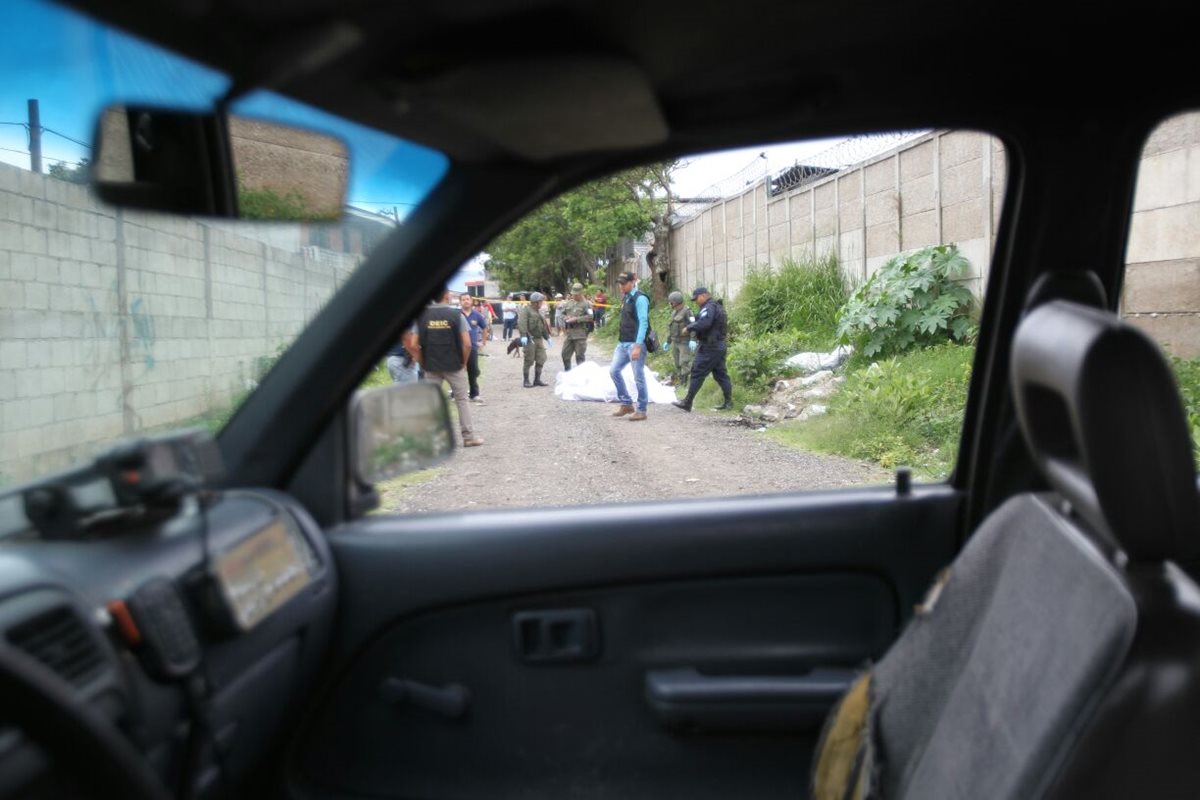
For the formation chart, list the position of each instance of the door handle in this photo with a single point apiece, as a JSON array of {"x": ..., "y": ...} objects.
[
  {"x": 685, "y": 698},
  {"x": 567, "y": 634},
  {"x": 450, "y": 701}
]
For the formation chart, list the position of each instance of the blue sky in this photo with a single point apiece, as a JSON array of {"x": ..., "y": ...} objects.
[{"x": 75, "y": 68}]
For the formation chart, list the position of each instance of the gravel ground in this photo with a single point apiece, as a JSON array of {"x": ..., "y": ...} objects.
[{"x": 542, "y": 451}]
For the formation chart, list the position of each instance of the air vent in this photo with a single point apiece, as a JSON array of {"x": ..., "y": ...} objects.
[{"x": 58, "y": 639}]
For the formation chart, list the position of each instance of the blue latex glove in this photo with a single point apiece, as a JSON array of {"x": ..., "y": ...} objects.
[
  {"x": 692, "y": 345},
  {"x": 666, "y": 347},
  {"x": 549, "y": 343},
  {"x": 524, "y": 341}
]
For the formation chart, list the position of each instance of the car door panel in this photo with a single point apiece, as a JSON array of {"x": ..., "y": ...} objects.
[{"x": 752, "y": 597}]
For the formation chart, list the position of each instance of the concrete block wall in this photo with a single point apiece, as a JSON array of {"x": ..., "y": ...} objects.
[
  {"x": 944, "y": 187},
  {"x": 114, "y": 323},
  {"x": 1162, "y": 277}
]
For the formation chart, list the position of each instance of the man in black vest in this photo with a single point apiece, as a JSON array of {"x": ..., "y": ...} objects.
[
  {"x": 631, "y": 349},
  {"x": 709, "y": 328},
  {"x": 442, "y": 347}
]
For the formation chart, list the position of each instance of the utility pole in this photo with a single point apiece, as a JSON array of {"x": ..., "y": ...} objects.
[{"x": 35, "y": 136}]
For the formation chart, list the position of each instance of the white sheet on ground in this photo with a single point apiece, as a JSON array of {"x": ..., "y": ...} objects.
[
  {"x": 590, "y": 381},
  {"x": 815, "y": 362}
]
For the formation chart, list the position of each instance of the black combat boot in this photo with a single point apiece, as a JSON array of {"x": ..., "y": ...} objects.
[
  {"x": 685, "y": 403},
  {"x": 528, "y": 385},
  {"x": 725, "y": 406},
  {"x": 566, "y": 365},
  {"x": 537, "y": 377}
]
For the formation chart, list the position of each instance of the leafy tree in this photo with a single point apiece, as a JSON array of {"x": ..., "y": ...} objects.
[
  {"x": 76, "y": 173},
  {"x": 566, "y": 238}
]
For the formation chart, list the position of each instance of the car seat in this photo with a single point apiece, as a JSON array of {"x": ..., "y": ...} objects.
[{"x": 1059, "y": 655}]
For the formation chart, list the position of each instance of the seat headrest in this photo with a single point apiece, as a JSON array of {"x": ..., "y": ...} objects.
[
  {"x": 1078, "y": 286},
  {"x": 1103, "y": 418}
]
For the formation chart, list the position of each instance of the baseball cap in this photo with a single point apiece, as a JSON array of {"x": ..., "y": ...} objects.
[
  {"x": 626, "y": 277},
  {"x": 576, "y": 287},
  {"x": 699, "y": 290}
]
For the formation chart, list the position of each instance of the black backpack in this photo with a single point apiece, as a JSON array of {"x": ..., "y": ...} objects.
[{"x": 652, "y": 343}]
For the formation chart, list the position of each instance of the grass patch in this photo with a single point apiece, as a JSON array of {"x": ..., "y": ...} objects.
[
  {"x": 392, "y": 490},
  {"x": 1187, "y": 376},
  {"x": 802, "y": 298},
  {"x": 905, "y": 411}
]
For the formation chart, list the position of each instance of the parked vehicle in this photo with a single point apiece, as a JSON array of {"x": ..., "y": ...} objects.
[{"x": 217, "y": 620}]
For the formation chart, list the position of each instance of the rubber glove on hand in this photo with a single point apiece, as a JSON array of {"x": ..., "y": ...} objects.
[
  {"x": 524, "y": 341},
  {"x": 666, "y": 347},
  {"x": 549, "y": 343},
  {"x": 692, "y": 345}
]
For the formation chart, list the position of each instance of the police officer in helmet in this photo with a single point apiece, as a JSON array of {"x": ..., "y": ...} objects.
[{"x": 709, "y": 328}]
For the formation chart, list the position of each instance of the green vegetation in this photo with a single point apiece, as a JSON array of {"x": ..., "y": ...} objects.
[
  {"x": 803, "y": 299},
  {"x": 779, "y": 314},
  {"x": 391, "y": 490},
  {"x": 72, "y": 173},
  {"x": 912, "y": 301},
  {"x": 1187, "y": 375},
  {"x": 269, "y": 204},
  {"x": 906, "y": 410}
]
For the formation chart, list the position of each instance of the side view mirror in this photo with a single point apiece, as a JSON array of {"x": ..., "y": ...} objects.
[
  {"x": 398, "y": 429},
  {"x": 210, "y": 164}
]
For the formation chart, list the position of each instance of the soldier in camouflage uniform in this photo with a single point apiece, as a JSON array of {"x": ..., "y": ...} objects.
[
  {"x": 576, "y": 315},
  {"x": 534, "y": 332},
  {"x": 680, "y": 339}
]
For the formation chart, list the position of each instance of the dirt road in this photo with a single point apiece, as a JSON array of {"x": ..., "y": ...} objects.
[{"x": 543, "y": 451}]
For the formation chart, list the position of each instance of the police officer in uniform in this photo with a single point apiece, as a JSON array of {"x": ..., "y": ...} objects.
[
  {"x": 576, "y": 315},
  {"x": 442, "y": 347},
  {"x": 680, "y": 341},
  {"x": 535, "y": 333},
  {"x": 709, "y": 328}
]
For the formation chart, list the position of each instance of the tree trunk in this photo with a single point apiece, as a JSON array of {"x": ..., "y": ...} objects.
[{"x": 663, "y": 278}]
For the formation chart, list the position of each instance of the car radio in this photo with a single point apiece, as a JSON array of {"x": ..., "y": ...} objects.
[{"x": 147, "y": 478}]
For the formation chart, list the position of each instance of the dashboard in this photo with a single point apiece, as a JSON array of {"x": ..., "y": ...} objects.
[{"x": 191, "y": 631}]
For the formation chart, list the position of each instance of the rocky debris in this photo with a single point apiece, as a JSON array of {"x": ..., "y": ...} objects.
[
  {"x": 815, "y": 410},
  {"x": 794, "y": 399}
]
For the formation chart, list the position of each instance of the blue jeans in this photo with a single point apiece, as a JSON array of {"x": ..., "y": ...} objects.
[
  {"x": 619, "y": 360},
  {"x": 401, "y": 373}
]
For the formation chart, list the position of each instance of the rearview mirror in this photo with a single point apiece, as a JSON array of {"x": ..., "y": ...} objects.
[
  {"x": 211, "y": 164},
  {"x": 400, "y": 428}
]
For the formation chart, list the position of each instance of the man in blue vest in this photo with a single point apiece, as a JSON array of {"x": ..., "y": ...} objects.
[
  {"x": 631, "y": 337},
  {"x": 709, "y": 329},
  {"x": 442, "y": 347}
]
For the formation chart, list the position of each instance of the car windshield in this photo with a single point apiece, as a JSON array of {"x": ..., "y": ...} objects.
[{"x": 116, "y": 323}]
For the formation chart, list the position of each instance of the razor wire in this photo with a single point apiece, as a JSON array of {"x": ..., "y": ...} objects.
[{"x": 843, "y": 155}]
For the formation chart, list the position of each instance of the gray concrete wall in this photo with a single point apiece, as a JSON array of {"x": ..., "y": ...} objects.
[
  {"x": 1162, "y": 280},
  {"x": 944, "y": 187},
  {"x": 116, "y": 322}
]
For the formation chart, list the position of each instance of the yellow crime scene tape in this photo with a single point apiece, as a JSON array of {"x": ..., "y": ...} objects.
[{"x": 547, "y": 301}]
